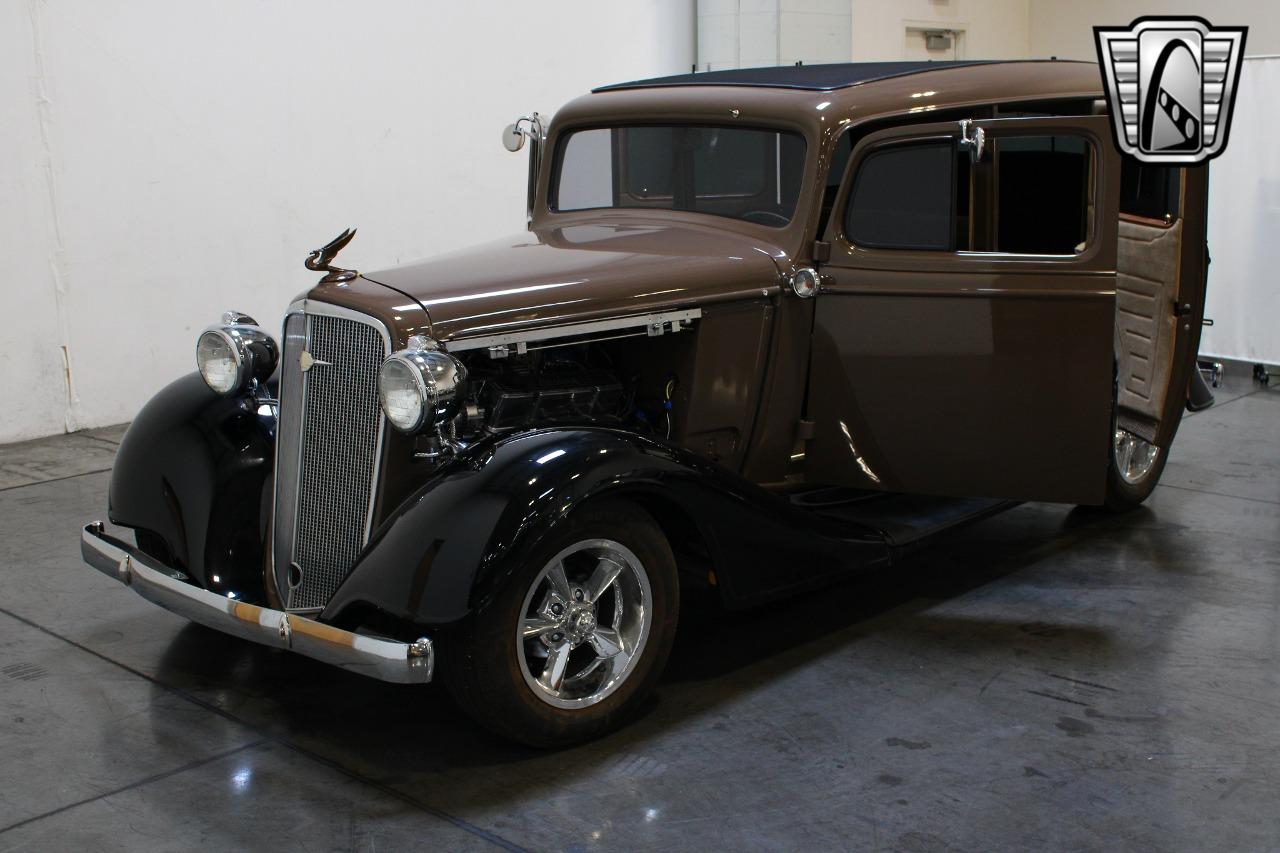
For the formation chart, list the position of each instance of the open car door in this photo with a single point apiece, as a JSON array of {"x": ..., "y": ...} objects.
[
  {"x": 1161, "y": 265},
  {"x": 965, "y": 333}
]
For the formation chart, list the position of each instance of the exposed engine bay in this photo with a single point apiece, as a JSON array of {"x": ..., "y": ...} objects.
[
  {"x": 581, "y": 384},
  {"x": 662, "y": 377}
]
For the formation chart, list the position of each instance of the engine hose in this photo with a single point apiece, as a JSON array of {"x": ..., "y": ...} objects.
[{"x": 666, "y": 402}]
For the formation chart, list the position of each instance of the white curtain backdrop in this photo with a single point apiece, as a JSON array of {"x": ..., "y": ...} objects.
[{"x": 1244, "y": 225}]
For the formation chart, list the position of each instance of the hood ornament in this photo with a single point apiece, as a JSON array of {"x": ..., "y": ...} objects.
[{"x": 319, "y": 259}]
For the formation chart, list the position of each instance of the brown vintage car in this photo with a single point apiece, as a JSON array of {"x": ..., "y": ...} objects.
[{"x": 766, "y": 328}]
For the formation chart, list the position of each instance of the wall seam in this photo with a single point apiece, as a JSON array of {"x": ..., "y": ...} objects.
[
  {"x": 1026, "y": 51},
  {"x": 737, "y": 37},
  {"x": 58, "y": 265},
  {"x": 777, "y": 32}
]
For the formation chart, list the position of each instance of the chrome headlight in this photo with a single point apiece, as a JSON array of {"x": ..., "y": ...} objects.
[
  {"x": 238, "y": 352},
  {"x": 421, "y": 386}
]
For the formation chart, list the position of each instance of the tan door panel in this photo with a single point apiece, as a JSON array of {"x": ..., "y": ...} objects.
[{"x": 1147, "y": 259}]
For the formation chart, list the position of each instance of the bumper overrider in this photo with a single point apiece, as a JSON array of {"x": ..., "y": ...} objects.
[{"x": 386, "y": 660}]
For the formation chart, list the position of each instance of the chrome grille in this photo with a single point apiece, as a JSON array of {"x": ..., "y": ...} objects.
[{"x": 328, "y": 458}]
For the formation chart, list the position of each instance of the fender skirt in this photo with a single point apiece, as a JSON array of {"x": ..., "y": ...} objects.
[
  {"x": 449, "y": 548},
  {"x": 193, "y": 470}
]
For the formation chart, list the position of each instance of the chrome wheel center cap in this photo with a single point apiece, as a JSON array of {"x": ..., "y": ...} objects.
[{"x": 579, "y": 624}]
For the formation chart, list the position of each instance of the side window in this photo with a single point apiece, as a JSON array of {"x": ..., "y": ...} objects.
[
  {"x": 903, "y": 198},
  {"x": 1149, "y": 191},
  {"x": 1042, "y": 194},
  {"x": 1029, "y": 195}
]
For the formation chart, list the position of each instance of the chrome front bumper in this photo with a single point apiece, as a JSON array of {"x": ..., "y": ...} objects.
[{"x": 386, "y": 660}]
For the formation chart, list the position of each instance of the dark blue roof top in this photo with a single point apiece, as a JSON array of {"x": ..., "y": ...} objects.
[{"x": 813, "y": 77}]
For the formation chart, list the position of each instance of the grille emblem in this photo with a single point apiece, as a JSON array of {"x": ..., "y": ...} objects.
[{"x": 306, "y": 361}]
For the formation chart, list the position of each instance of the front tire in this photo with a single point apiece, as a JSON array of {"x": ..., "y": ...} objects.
[{"x": 577, "y": 639}]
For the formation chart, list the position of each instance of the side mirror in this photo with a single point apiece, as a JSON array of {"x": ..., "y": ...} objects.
[
  {"x": 514, "y": 135},
  {"x": 974, "y": 139},
  {"x": 512, "y": 138}
]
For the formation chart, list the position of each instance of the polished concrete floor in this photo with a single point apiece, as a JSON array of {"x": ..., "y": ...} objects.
[{"x": 1047, "y": 679}]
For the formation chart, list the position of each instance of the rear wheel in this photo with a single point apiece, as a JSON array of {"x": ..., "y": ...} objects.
[
  {"x": 577, "y": 639},
  {"x": 1136, "y": 466}
]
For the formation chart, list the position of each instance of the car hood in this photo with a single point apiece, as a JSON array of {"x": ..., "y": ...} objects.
[{"x": 583, "y": 272}]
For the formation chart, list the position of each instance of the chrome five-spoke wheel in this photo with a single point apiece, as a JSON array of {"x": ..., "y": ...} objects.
[
  {"x": 584, "y": 623},
  {"x": 573, "y": 641},
  {"x": 1134, "y": 457}
]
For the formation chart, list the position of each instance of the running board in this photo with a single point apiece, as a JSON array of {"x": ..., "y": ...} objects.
[{"x": 909, "y": 521}]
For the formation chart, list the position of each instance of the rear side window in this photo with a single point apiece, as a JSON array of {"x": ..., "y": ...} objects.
[
  {"x": 1043, "y": 187},
  {"x": 902, "y": 198}
]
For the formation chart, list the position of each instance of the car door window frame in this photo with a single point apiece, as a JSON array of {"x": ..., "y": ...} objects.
[{"x": 1099, "y": 251}]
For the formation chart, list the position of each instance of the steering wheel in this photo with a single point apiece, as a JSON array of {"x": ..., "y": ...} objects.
[{"x": 766, "y": 217}]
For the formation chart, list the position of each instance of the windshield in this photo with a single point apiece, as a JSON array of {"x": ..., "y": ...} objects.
[{"x": 744, "y": 173}]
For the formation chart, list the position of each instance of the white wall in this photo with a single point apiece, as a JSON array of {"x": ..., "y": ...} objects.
[
  {"x": 747, "y": 33},
  {"x": 742, "y": 33},
  {"x": 990, "y": 29},
  {"x": 1066, "y": 29},
  {"x": 756, "y": 33},
  {"x": 33, "y": 393},
  {"x": 165, "y": 161}
]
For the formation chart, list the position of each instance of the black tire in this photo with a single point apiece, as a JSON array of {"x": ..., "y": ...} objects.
[{"x": 480, "y": 662}]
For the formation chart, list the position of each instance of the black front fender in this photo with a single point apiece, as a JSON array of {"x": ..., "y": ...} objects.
[
  {"x": 451, "y": 546},
  {"x": 192, "y": 470}
]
